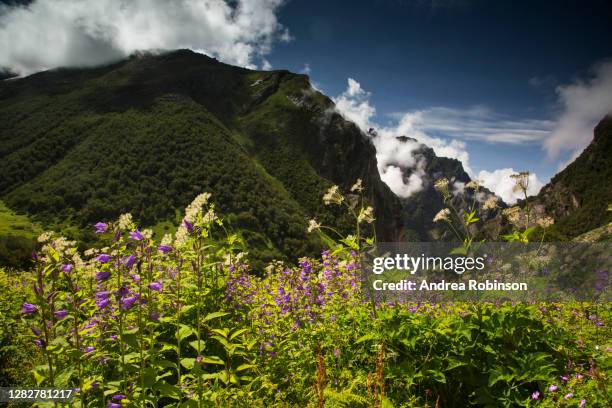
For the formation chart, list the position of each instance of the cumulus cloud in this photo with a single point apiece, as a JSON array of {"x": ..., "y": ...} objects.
[
  {"x": 392, "y": 154},
  {"x": 584, "y": 103},
  {"x": 354, "y": 104},
  {"x": 53, "y": 33},
  {"x": 500, "y": 182}
]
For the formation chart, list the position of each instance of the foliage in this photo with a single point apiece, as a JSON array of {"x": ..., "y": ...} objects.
[
  {"x": 184, "y": 322},
  {"x": 149, "y": 133}
]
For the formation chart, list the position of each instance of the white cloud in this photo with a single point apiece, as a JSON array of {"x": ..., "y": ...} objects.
[
  {"x": 393, "y": 177},
  {"x": 584, "y": 104},
  {"x": 500, "y": 182},
  {"x": 354, "y": 104},
  {"x": 480, "y": 123},
  {"x": 391, "y": 153},
  {"x": 477, "y": 123},
  {"x": 306, "y": 69},
  {"x": 52, "y": 33}
]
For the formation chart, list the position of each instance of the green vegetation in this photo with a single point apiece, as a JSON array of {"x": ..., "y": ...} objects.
[
  {"x": 17, "y": 238},
  {"x": 579, "y": 195},
  {"x": 185, "y": 323},
  {"x": 148, "y": 133}
]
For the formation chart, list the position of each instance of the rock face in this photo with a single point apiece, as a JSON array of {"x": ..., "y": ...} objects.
[
  {"x": 149, "y": 133},
  {"x": 578, "y": 196},
  {"x": 419, "y": 209}
]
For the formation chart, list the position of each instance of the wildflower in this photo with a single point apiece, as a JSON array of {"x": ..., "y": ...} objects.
[
  {"x": 118, "y": 397},
  {"x": 210, "y": 216},
  {"x": 473, "y": 184},
  {"x": 195, "y": 207},
  {"x": 188, "y": 225},
  {"x": 366, "y": 215},
  {"x": 521, "y": 181},
  {"x": 535, "y": 395},
  {"x": 156, "y": 286},
  {"x": 88, "y": 349},
  {"x": 125, "y": 221},
  {"x": 545, "y": 222},
  {"x": 60, "y": 314},
  {"x": 102, "y": 276},
  {"x": 441, "y": 184},
  {"x": 122, "y": 291},
  {"x": 579, "y": 376},
  {"x": 442, "y": 215},
  {"x": 490, "y": 203},
  {"x": 103, "y": 258},
  {"x": 333, "y": 196},
  {"x": 357, "y": 186},
  {"x": 128, "y": 302},
  {"x": 313, "y": 225},
  {"x": 568, "y": 396},
  {"x": 136, "y": 235},
  {"x": 28, "y": 308},
  {"x": 182, "y": 234},
  {"x": 44, "y": 237},
  {"x": 582, "y": 403},
  {"x": 166, "y": 240},
  {"x": 66, "y": 268},
  {"x": 164, "y": 248},
  {"x": 102, "y": 302},
  {"x": 101, "y": 227},
  {"x": 113, "y": 405},
  {"x": 129, "y": 261},
  {"x": 553, "y": 388},
  {"x": 513, "y": 214}
]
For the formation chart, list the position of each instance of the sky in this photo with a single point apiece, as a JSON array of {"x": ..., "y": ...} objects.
[{"x": 503, "y": 86}]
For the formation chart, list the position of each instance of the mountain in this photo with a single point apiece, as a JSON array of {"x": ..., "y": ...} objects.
[
  {"x": 419, "y": 209},
  {"x": 149, "y": 133},
  {"x": 578, "y": 196}
]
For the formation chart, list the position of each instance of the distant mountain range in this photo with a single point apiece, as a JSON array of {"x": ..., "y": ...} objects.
[{"x": 149, "y": 133}]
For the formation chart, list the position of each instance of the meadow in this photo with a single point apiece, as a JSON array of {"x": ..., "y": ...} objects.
[{"x": 185, "y": 321}]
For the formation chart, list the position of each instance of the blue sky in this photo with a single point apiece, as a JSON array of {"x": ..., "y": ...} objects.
[
  {"x": 503, "y": 86},
  {"x": 506, "y": 57}
]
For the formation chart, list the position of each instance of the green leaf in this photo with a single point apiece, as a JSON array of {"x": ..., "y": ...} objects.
[
  {"x": 214, "y": 315},
  {"x": 237, "y": 333},
  {"x": 194, "y": 344},
  {"x": 213, "y": 360},
  {"x": 188, "y": 362},
  {"x": 243, "y": 367},
  {"x": 168, "y": 390},
  {"x": 38, "y": 377},
  {"x": 184, "y": 332},
  {"x": 130, "y": 339}
]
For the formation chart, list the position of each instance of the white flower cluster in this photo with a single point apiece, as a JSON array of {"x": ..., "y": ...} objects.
[
  {"x": 192, "y": 210},
  {"x": 125, "y": 221},
  {"x": 442, "y": 215},
  {"x": 366, "y": 215},
  {"x": 333, "y": 196}
]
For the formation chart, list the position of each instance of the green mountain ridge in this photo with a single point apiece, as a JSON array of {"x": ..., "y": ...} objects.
[
  {"x": 578, "y": 196},
  {"x": 147, "y": 134}
]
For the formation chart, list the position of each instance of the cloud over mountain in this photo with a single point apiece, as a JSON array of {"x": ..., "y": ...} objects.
[
  {"x": 584, "y": 103},
  {"x": 52, "y": 33}
]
